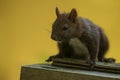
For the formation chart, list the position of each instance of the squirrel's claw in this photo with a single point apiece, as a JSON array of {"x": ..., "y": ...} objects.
[
  {"x": 109, "y": 60},
  {"x": 50, "y": 59},
  {"x": 91, "y": 65},
  {"x": 47, "y": 60}
]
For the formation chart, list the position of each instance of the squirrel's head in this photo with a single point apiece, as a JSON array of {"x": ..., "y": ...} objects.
[{"x": 65, "y": 26}]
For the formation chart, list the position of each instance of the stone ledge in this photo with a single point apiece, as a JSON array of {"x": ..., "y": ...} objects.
[{"x": 48, "y": 72}]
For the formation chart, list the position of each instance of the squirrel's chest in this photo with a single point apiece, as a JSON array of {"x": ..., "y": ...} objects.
[{"x": 77, "y": 45}]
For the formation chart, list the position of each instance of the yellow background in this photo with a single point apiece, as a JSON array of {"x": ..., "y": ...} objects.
[{"x": 25, "y": 25}]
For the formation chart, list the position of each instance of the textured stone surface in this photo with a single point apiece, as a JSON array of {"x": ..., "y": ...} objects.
[
  {"x": 82, "y": 64},
  {"x": 48, "y": 72}
]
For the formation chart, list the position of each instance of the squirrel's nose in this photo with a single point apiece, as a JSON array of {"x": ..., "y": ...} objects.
[{"x": 53, "y": 37}]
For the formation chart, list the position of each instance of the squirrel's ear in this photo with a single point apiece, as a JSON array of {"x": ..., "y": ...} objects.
[
  {"x": 57, "y": 12},
  {"x": 73, "y": 15}
]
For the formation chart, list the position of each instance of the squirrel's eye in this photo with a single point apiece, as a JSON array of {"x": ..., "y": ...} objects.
[{"x": 65, "y": 28}]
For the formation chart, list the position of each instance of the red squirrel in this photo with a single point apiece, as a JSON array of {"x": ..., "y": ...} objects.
[{"x": 79, "y": 38}]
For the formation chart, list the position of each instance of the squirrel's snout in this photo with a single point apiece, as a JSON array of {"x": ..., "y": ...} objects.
[{"x": 53, "y": 37}]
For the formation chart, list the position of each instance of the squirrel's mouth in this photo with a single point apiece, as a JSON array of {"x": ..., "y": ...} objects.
[
  {"x": 63, "y": 40},
  {"x": 59, "y": 39}
]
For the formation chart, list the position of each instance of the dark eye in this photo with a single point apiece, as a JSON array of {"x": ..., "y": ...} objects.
[{"x": 65, "y": 27}]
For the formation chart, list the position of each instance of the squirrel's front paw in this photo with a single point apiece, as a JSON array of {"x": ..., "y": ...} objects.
[
  {"x": 91, "y": 64},
  {"x": 50, "y": 59},
  {"x": 109, "y": 60}
]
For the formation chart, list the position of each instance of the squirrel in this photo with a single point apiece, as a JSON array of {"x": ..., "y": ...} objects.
[{"x": 79, "y": 38}]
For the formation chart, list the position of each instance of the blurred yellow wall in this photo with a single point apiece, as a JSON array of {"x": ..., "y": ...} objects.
[{"x": 24, "y": 25}]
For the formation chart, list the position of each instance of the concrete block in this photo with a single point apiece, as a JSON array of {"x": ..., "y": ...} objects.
[{"x": 49, "y": 72}]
